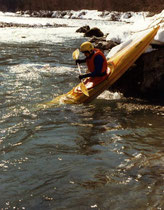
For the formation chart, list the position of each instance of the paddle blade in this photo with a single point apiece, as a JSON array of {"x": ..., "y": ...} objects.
[
  {"x": 75, "y": 54},
  {"x": 84, "y": 89}
]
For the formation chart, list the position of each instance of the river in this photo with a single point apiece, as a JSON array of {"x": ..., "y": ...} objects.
[{"x": 104, "y": 155}]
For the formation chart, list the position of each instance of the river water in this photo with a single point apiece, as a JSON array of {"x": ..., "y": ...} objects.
[{"x": 104, "y": 155}]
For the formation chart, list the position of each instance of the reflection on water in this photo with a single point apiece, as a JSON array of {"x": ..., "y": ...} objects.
[{"x": 105, "y": 155}]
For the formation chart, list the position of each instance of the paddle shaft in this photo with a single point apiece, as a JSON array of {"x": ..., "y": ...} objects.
[
  {"x": 75, "y": 56},
  {"x": 79, "y": 68}
]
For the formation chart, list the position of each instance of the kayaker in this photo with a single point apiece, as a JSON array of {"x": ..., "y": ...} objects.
[{"x": 95, "y": 60}]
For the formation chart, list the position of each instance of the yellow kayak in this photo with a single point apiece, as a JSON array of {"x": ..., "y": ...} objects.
[{"x": 118, "y": 64}]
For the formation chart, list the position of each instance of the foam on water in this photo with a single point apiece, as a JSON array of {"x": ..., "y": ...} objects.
[
  {"x": 36, "y": 71},
  {"x": 41, "y": 35},
  {"x": 107, "y": 95}
]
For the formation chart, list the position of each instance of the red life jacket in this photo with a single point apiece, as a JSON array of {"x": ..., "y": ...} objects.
[{"x": 90, "y": 61}]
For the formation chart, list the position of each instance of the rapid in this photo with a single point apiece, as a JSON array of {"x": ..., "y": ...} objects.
[{"x": 104, "y": 155}]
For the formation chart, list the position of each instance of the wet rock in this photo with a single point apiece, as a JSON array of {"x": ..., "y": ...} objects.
[
  {"x": 145, "y": 79},
  {"x": 4, "y": 25},
  {"x": 83, "y": 29},
  {"x": 104, "y": 13},
  {"x": 115, "y": 16},
  {"x": 127, "y": 15},
  {"x": 157, "y": 45},
  {"x": 94, "y": 32},
  {"x": 105, "y": 45},
  {"x": 42, "y": 13},
  {"x": 97, "y": 38},
  {"x": 102, "y": 44},
  {"x": 35, "y": 14},
  {"x": 27, "y": 12},
  {"x": 62, "y": 14},
  {"x": 47, "y": 14},
  {"x": 82, "y": 13},
  {"x": 153, "y": 74},
  {"x": 23, "y": 13}
]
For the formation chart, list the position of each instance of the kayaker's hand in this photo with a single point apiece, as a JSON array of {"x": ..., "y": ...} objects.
[
  {"x": 78, "y": 61},
  {"x": 81, "y": 76}
]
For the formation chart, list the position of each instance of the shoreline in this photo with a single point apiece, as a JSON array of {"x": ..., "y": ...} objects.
[{"x": 80, "y": 14}]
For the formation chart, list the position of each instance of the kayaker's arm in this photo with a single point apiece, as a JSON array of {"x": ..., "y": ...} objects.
[{"x": 80, "y": 61}]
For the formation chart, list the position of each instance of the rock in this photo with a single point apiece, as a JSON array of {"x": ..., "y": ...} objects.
[
  {"x": 102, "y": 44},
  {"x": 62, "y": 14},
  {"x": 35, "y": 14},
  {"x": 105, "y": 45},
  {"x": 97, "y": 39},
  {"x": 3, "y": 25},
  {"x": 27, "y": 12},
  {"x": 83, "y": 29},
  {"x": 157, "y": 44},
  {"x": 42, "y": 13},
  {"x": 145, "y": 79},
  {"x": 94, "y": 32},
  {"x": 104, "y": 13},
  {"x": 47, "y": 14},
  {"x": 81, "y": 14},
  {"x": 153, "y": 74},
  {"x": 115, "y": 16},
  {"x": 127, "y": 15}
]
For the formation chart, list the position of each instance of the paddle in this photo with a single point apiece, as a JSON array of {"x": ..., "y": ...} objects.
[{"x": 75, "y": 56}]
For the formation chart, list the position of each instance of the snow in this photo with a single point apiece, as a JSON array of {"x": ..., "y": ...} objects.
[
  {"x": 160, "y": 36},
  {"x": 127, "y": 34}
]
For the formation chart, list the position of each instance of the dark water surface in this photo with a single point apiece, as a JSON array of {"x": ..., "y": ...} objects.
[{"x": 105, "y": 155}]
